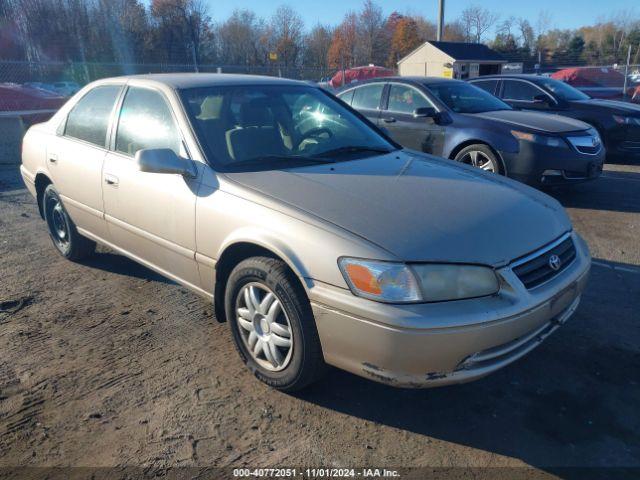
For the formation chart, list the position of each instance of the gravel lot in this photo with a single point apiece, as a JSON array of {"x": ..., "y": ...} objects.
[{"x": 107, "y": 364}]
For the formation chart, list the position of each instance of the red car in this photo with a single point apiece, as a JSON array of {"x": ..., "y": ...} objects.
[
  {"x": 598, "y": 82},
  {"x": 358, "y": 74},
  {"x": 27, "y": 102}
]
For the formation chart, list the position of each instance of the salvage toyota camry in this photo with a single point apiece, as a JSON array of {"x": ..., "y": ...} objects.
[{"x": 319, "y": 239}]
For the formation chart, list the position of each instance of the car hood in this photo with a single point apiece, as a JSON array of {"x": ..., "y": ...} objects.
[
  {"x": 613, "y": 105},
  {"x": 543, "y": 122},
  {"x": 420, "y": 208}
]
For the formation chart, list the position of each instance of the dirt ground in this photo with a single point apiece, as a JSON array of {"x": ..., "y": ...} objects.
[{"x": 107, "y": 364}]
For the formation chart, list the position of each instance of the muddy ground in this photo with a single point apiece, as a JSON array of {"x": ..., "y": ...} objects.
[{"x": 107, "y": 364}]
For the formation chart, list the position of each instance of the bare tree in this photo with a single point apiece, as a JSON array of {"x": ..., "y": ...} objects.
[
  {"x": 286, "y": 31},
  {"x": 240, "y": 39},
  {"x": 476, "y": 21},
  {"x": 369, "y": 31},
  {"x": 317, "y": 44}
]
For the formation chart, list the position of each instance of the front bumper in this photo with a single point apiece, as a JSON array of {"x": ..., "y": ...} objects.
[
  {"x": 426, "y": 345},
  {"x": 541, "y": 165}
]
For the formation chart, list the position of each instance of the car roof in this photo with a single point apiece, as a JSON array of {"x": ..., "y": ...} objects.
[
  {"x": 523, "y": 76},
  {"x": 195, "y": 80},
  {"x": 408, "y": 80}
]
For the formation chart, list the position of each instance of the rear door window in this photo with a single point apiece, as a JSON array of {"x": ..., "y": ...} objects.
[
  {"x": 487, "y": 85},
  {"x": 89, "y": 118},
  {"x": 367, "y": 97}
]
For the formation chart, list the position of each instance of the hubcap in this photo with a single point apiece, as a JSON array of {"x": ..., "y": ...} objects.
[
  {"x": 58, "y": 224},
  {"x": 478, "y": 159},
  {"x": 264, "y": 326}
]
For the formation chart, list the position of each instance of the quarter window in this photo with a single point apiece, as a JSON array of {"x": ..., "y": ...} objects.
[
  {"x": 514, "y": 90},
  {"x": 146, "y": 122},
  {"x": 367, "y": 97},
  {"x": 89, "y": 118},
  {"x": 403, "y": 99},
  {"x": 346, "y": 97}
]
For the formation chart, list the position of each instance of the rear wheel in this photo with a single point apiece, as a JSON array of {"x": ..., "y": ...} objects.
[
  {"x": 272, "y": 324},
  {"x": 62, "y": 230},
  {"x": 479, "y": 156}
]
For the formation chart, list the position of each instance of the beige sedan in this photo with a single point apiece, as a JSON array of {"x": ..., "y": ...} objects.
[{"x": 319, "y": 239}]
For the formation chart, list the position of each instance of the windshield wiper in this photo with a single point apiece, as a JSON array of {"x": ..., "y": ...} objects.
[
  {"x": 353, "y": 149},
  {"x": 281, "y": 158}
]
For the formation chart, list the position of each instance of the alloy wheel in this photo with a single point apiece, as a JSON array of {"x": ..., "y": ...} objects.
[{"x": 479, "y": 160}]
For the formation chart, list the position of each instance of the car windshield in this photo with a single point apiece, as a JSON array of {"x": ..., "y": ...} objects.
[
  {"x": 242, "y": 125},
  {"x": 562, "y": 90},
  {"x": 465, "y": 98}
]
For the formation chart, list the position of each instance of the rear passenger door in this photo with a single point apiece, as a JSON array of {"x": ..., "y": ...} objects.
[
  {"x": 150, "y": 215},
  {"x": 490, "y": 86},
  {"x": 75, "y": 157},
  {"x": 418, "y": 133}
]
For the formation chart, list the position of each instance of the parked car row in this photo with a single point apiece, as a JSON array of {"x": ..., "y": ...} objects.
[
  {"x": 459, "y": 121},
  {"x": 321, "y": 240},
  {"x": 618, "y": 123},
  {"x": 64, "y": 89}
]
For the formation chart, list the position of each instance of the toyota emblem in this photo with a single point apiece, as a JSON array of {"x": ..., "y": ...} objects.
[{"x": 555, "y": 263}]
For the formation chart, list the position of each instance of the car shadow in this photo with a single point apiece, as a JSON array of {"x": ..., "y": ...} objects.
[
  {"x": 567, "y": 403},
  {"x": 617, "y": 191},
  {"x": 121, "y": 265}
]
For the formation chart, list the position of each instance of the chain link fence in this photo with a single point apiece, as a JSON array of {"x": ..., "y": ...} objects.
[{"x": 21, "y": 72}]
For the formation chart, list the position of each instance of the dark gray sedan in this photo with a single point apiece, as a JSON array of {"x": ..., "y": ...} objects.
[{"x": 459, "y": 121}]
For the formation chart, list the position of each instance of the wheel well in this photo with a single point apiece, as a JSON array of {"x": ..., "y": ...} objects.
[
  {"x": 467, "y": 143},
  {"x": 41, "y": 183},
  {"x": 233, "y": 255}
]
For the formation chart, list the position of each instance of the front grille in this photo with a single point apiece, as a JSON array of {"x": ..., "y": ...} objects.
[
  {"x": 588, "y": 144},
  {"x": 589, "y": 150},
  {"x": 537, "y": 270}
]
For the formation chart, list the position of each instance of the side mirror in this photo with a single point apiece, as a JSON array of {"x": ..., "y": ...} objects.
[
  {"x": 543, "y": 99},
  {"x": 425, "y": 112},
  {"x": 164, "y": 160}
]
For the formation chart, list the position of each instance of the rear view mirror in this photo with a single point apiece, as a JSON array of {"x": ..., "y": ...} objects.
[
  {"x": 425, "y": 112},
  {"x": 164, "y": 160}
]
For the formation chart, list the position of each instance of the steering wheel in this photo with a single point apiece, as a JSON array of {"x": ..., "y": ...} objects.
[{"x": 315, "y": 132}]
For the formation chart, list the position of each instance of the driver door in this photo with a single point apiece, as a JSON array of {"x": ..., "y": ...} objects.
[
  {"x": 526, "y": 96},
  {"x": 418, "y": 133},
  {"x": 151, "y": 216}
]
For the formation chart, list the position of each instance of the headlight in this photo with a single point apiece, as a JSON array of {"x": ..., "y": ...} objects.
[
  {"x": 397, "y": 282},
  {"x": 382, "y": 281},
  {"x": 622, "y": 120},
  {"x": 440, "y": 282},
  {"x": 541, "y": 139}
]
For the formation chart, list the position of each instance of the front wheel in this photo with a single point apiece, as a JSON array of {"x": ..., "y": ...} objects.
[
  {"x": 272, "y": 324},
  {"x": 62, "y": 230},
  {"x": 479, "y": 156}
]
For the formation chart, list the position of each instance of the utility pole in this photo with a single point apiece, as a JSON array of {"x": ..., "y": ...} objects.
[
  {"x": 626, "y": 73},
  {"x": 440, "y": 20}
]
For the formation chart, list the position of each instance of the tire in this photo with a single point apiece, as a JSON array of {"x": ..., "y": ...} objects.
[
  {"x": 482, "y": 153},
  {"x": 63, "y": 232},
  {"x": 285, "y": 319}
]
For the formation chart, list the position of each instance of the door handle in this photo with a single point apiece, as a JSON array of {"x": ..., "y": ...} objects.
[
  {"x": 53, "y": 158},
  {"x": 389, "y": 120},
  {"x": 111, "y": 180}
]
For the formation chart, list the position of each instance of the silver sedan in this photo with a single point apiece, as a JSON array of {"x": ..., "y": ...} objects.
[{"x": 318, "y": 238}]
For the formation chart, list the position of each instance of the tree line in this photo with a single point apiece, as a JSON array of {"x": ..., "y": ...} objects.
[{"x": 183, "y": 32}]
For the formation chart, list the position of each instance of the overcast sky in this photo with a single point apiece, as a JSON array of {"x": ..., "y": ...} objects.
[{"x": 564, "y": 13}]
